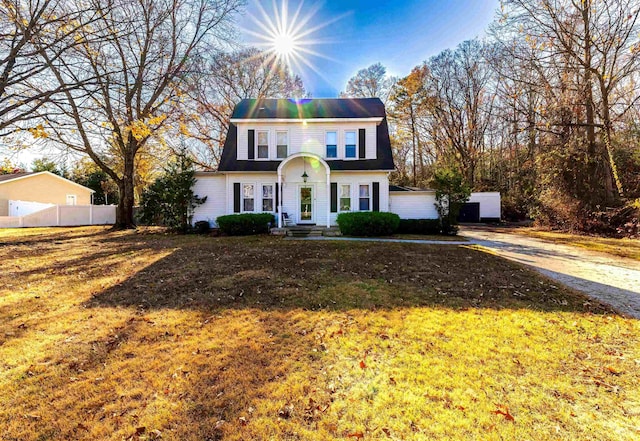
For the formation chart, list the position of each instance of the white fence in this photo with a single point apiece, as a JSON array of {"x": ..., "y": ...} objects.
[
  {"x": 63, "y": 216},
  {"x": 23, "y": 208}
]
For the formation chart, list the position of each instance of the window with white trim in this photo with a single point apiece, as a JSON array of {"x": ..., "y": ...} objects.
[
  {"x": 332, "y": 144},
  {"x": 282, "y": 144},
  {"x": 365, "y": 197},
  {"x": 345, "y": 197},
  {"x": 248, "y": 197},
  {"x": 267, "y": 197},
  {"x": 350, "y": 144},
  {"x": 263, "y": 145},
  {"x": 71, "y": 199}
]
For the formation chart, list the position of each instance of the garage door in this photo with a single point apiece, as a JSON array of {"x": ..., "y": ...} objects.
[{"x": 470, "y": 212}]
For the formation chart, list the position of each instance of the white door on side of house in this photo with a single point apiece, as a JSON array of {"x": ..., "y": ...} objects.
[
  {"x": 305, "y": 197},
  {"x": 71, "y": 199}
]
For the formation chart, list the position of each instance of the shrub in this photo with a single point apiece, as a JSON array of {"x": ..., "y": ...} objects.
[
  {"x": 451, "y": 193},
  {"x": 245, "y": 224},
  {"x": 368, "y": 223},
  {"x": 419, "y": 226}
]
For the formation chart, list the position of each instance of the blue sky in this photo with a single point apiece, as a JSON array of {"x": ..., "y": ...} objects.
[{"x": 400, "y": 34}]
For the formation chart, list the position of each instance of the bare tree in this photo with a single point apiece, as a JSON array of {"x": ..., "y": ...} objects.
[
  {"x": 370, "y": 82},
  {"x": 225, "y": 80},
  {"x": 141, "y": 54},
  {"x": 29, "y": 31},
  {"x": 463, "y": 105},
  {"x": 598, "y": 41}
]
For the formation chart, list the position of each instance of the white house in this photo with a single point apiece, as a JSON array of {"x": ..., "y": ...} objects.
[{"x": 311, "y": 159}]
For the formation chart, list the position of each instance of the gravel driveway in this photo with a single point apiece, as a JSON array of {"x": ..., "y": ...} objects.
[{"x": 611, "y": 279}]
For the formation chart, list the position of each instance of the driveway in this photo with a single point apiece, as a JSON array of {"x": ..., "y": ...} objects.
[{"x": 610, "y": 279}]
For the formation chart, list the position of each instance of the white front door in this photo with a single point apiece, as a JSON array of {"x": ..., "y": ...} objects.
[{"x": 305, "y": 198}]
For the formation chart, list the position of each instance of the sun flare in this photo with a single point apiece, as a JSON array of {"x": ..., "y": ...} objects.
[
  {"x": 289, "y": 37},
  {"x": 284, "y": 45}
]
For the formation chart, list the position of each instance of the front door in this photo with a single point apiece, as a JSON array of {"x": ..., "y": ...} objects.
[{"x": 306, "y": 205}]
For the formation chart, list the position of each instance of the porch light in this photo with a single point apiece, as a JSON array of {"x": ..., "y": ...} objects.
[{"x": 305, "y": 176}]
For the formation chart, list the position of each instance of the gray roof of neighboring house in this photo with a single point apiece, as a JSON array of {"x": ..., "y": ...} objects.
[
  {"x": 327, "y": 108},
  {"x": 401, "y": 188},
  {"x": 12, "y": 176}
]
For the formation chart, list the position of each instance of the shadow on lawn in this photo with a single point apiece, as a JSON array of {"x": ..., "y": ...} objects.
[{"x": 214, "y": 274}]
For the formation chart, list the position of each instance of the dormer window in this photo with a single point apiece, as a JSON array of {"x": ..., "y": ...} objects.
[
  {"x": 350, "y": 144},
  {"x": 282, "y": 144},
  {"x": 332, "y": 144},
  {"x": 263, "y": 145}
]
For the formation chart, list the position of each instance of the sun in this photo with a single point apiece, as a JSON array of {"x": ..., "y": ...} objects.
[
  {"x": 284, "y": 45},
  {"x": 288, "y": 37}
]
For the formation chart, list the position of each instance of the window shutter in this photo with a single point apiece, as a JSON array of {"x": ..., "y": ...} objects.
[
  {"x": 362, "y": 144},
  {"x": 277, "y": 197},
  {"x": 236, "y": 197},
  {"x": 334, "y": 197},
  {"x": 376, "y": 196},
  {"x": 251, "y": 145}
]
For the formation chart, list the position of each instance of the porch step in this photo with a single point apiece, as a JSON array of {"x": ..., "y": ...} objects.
[{"x": 310, "y": 231}]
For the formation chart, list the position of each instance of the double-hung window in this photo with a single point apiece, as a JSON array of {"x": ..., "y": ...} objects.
[
  {"x": 282, "y": 144},
  {"x": 365, "y": 197},
  {"x": 263, "y": 145},
  {"x": 248, "y": 197},
  {"x": 345, "y": 197},
  {"x": 267, "y": 197},
  {"x": 350, "y": 144},
  {"x": 332, "y": 144}
]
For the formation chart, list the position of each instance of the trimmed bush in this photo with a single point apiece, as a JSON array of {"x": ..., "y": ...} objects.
[
  {"x": 419, "y": 226},
  {"x": 365, "y": 223},
  {"x": 245, "y": 224}
]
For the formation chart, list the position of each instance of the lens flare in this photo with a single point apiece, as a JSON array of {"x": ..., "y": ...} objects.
[{"x": 289, "y": 37}]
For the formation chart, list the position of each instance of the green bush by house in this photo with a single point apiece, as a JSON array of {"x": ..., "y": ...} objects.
[
  {"x": 367, "y": 223},
  {"x": 245, "y": 224},
  {"x": 419, "y": 226}
]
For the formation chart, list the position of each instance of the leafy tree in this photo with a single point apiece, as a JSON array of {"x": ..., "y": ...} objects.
[
  {"x": 451, "y": 193},
  {"x": 86, "y": 172},
  {"x": 7, "y": 167},
  {"x": 170, "y": 200},
  {"x": 45, "y": 164}
]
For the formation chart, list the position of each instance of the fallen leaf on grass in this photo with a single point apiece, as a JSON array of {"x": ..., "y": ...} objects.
[
  {"x": 357, "y": 435},
  {"x": 613, "y": 370},
  {"x": 504, "y": 410},
  {"x": 362, "y": 364}
]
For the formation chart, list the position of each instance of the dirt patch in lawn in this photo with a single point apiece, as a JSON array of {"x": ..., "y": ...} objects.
[{"x": 143, "y": 335}]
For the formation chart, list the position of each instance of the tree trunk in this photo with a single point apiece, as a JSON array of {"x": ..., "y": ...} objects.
[{"x": 124, "y": 218}]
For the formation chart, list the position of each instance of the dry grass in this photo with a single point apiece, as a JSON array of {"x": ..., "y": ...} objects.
[
  {"x": 437, "y": 237},
  {"x": 144, "y": 335},
  {"x": 629, "y": 248}
]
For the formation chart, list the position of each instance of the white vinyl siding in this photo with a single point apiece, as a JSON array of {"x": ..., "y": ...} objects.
[{"x": 309, "y": 138}]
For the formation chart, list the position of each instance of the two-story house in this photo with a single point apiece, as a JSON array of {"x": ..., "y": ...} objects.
[{"x": 311, "y": 159}]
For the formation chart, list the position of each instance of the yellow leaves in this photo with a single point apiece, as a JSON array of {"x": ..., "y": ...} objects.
[
  {"x": 141, "y": 129},
  {"x": 38, "y": 132}
]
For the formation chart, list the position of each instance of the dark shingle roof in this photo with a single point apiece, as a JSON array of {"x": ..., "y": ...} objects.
[
  {"x": 309, "y": 108},
  {"x": 12, "y": 176}
]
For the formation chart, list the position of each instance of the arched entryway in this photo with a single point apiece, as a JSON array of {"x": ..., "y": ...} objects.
[{"x": 281, "y": 171}]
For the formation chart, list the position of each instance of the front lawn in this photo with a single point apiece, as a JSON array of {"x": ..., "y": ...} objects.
[{"x": 144, "y": 335}]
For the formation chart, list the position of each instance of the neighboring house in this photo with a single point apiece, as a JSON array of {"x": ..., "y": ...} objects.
[
  {"x": 311, "y": 159},
  {"x": 43, "y": 188}
]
